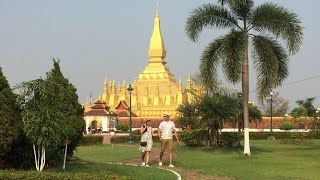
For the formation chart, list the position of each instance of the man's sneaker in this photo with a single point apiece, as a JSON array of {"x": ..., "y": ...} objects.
[
  {"x": 143, "y": 164},
  {"x": 146, "y": 165},
  {"x": 172, "y": 166},
  {"x": 160, "y": 163}
]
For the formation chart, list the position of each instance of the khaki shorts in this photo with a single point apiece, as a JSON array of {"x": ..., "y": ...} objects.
[{"x": 167, "y": 143}]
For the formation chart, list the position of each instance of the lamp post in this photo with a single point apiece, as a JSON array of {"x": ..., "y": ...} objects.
[
  {"x": 130, "y": 89},
  {"x": 271, "y": 101}
]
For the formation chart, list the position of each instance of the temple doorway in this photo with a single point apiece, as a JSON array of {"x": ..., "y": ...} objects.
[{"x": 94, "y": 126}]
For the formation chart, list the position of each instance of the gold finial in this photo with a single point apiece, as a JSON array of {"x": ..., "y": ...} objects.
[{"x": 157, "y": 11}]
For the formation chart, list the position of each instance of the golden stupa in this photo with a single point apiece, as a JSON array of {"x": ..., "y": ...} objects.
[{"x": 156, "y": 90}]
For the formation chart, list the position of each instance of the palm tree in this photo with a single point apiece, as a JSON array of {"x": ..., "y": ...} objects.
[{"x": 260, "y": 26}]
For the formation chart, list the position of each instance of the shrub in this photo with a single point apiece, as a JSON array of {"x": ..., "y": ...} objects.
[
  {"x": 195, "y": 137},
  {"x": 286, "y": 127},
  {"x": 91, "y": 140},
  {"x": 122, "y": 127},
  {"x": 230, "y": 139},
  {"x": 33, "y": 175}
]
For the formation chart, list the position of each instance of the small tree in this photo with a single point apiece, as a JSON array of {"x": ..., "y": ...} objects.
[{"x": 44, "y": 125}]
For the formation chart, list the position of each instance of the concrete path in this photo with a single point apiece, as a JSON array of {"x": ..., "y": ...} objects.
[{"x": 106, "y": 139}]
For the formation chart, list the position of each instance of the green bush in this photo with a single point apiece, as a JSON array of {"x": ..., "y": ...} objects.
[
  {"x": 194, "y": 138},
  {"x": 34, "y": 175},
  {"x": 286, "y": 127},
  {"x": 230, "y": 139},
  {"x": 122, "y": 127},
  {"x": 91, "y": 140}
]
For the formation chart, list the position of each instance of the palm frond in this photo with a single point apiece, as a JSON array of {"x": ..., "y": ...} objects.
[
  {"x": 280, "y": 22},
  {"x": 271, "y": 63},
  {"x": 209, "y": 61},
  {"x": 241, "y": 8},
  {"x": 232, "y": 55},
  {"x": 208, "y": 15}
]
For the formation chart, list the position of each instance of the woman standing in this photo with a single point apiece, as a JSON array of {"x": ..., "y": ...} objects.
[{"x": 146, "y": 142}]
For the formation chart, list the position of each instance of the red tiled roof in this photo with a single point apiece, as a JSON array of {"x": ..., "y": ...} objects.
[
  {"x": 99, "y": 108},
  {"x": 122, "y": 105},
  {"x": 97, "y": 112}
]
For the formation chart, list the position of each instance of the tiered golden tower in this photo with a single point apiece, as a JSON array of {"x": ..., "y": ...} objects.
[{"x": 156, "y": 90}]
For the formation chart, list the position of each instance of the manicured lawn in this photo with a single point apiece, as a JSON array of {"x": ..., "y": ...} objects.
[{"x": 269, "y": 160}]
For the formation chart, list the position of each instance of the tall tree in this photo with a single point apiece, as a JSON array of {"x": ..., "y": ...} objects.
[
  {"x": 280, "y": 105},
  {"x": 260, "y": 27},
  {"x": 65, "y": 94},
  {"x": 10, "y": 116}
]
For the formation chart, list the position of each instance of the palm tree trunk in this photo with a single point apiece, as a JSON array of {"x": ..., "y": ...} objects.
[{"x": 245, "y": 91}]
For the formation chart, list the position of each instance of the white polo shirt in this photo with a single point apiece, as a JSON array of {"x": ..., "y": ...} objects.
[{"x": 166, "y": 128}]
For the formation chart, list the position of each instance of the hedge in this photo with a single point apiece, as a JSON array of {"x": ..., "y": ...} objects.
[
  {"x": 91, "y": 140},
  {"x": 34, "y": 175},
  {"x": 314, "y": 134},
  {"x": 198, "y": 137},
  {"x": 124, "y": 139}
]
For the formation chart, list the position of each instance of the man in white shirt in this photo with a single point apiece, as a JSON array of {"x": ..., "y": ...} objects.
[{"x": 165, "y": 130}]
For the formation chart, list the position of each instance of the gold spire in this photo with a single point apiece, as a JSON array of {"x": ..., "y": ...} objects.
[
  {"x": 189, "y": 83},
  {"x": 113, "y": 87},
  {"x": 119, "y": 90},
  {"x": 157, "y": 49},
  {"x": 180, "y": 85}
]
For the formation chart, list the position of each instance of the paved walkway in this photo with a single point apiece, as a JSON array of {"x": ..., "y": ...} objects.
[{"x": 106, "y": 139}]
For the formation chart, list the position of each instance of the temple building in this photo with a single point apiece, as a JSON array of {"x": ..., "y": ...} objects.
[{"x": 155, "y": 91}]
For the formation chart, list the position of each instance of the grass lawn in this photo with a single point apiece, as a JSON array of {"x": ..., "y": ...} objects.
[{"x": 269, "y": 160}]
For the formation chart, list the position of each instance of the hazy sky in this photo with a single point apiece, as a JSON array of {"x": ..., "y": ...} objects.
[{"x": 100, "y": 39}]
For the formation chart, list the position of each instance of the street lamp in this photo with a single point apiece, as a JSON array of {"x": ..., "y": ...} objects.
[
  {"x": 130, "y": 89},
  {"x": 271, "y": 101}
]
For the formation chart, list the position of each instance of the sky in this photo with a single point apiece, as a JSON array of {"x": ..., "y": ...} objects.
[{"x": 100, "y": 39}]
